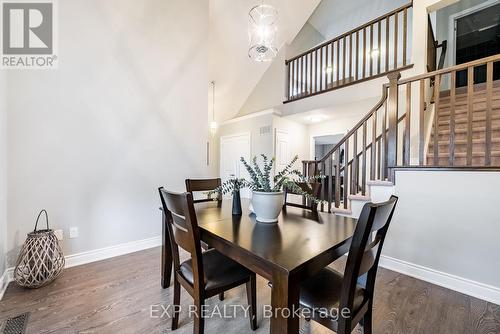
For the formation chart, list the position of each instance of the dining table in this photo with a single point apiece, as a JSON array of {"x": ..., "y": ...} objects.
[{"x": 298, "y": 246}]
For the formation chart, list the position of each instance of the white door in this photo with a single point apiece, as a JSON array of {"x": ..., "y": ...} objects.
[
  {"x": 282, "y": 149},
  {"x": 232, "y": 148}
]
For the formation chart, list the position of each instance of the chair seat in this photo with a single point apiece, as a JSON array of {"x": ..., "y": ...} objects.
[
  {"x": 323, "y": 290},
  {"x": 220, "y": 271}
]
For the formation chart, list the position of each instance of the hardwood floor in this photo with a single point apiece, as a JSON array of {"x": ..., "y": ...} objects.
[{"x": 115, "y": 296}]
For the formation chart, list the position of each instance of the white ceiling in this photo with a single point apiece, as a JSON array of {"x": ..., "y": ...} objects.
[{"x": 234, "y": 73}]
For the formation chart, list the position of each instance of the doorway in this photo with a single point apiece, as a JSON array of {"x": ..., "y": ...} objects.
[
  {"x": 232, "y": 148},
  {"x": 477, "y": 35}
]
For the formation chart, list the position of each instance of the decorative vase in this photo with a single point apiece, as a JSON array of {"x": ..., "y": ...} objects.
[
  {"x": 236, "y": 203},
  {"x": 267, "y": 205}
]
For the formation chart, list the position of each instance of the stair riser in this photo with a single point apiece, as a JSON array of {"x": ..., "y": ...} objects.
[
  {"x": 476, "y": 147},
  {"x": 462, "y": 135},
  {"x": 475, "y": 124}
]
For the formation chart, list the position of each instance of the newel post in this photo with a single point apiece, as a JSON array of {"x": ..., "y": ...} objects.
[{"x": 392, "y": 116}]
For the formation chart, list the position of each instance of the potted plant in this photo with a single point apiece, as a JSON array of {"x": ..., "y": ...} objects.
[{"x": 267, "y": 191}]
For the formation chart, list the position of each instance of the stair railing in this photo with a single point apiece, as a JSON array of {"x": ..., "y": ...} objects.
[
  {"x": 372, "y": 50},
  {"x": 393, "y": 133}
]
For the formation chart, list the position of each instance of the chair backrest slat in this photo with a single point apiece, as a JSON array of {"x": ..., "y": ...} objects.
[
  {"x": 313, "y": 189},
  {"x": 202, "y": 185},
  {"x": 182, "y": 227},
  {"x": 366, "y": 247}
]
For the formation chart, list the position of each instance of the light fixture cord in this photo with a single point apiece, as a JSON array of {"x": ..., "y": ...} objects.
[{"x": 213, "y": 100}]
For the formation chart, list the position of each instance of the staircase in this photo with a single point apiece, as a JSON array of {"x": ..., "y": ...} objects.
[
  {"x": 460, "y": 117},
  {"x": 460, "y": 131}
]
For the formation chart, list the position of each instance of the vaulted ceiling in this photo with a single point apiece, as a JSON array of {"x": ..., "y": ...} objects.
[{"x": 234, "y": 73}]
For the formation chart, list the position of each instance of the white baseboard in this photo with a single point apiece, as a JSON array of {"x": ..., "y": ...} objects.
[
  {"x": 78, "y": 259},
  {"x": 111, "y": 251},
  {"x": 456, "y": 283},
  {"x": 4, "y": 282}
]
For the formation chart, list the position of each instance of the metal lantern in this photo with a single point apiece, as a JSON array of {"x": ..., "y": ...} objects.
[
  {"x": 262, "y": 31},
  {"x": 41, "y": 259}
]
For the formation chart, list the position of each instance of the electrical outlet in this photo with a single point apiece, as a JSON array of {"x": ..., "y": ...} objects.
[
  {"x": 59, "y": 234},
  {"x": 73, "y": 232}
]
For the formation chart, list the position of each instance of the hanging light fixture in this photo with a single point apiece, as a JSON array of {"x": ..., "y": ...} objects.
[
  {"x": 213, "y": 123},
  {"x": 262, "y": 31}
]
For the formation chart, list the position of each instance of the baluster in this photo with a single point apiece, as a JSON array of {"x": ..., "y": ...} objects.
[
  {"x": 421, "y": 130},
  {"x": 405, "y": 32},
  {"x": 338, "y": 62},
  {"x": 302, "y": 75},
  {"x": 387, "y": 43},
  {"x": 350, "y": 59},
  {"x": 310, "y": 73},
  {"x": 321, "y": 68},
  {"x": 337, "y": 178},
  {"x": 379, "y": 41},
  {"x": 489, "y": 92},
  {"x": 406, "y": 133},
  {"x": 316, "y": 71},
  {"x": 371, "y": 50},
  {"x": 357, "y": 55},
  {"x": 330, "y": 183},
  {"x": 396, "y": 40},
  {"x": 364, "y": 53},
  {"x": 354, "y": 165},
  {"x": 374, "y": 146},
  {"x": 379, "y": 159},
  {"x": 363, "y": 165},
  {"x": 331, "y": 62},
  {"x": 295, "y": 78},
  {"x": 346, "y": 172},
  {"x": 437, "y": 97},
  {"x": 452, "y": 117},
  {"x": 323, "y": 185},
  {"x": 343, "y": 60},
  {"x": 470, "y": 96},
  {"x": 288, "y": 91}
]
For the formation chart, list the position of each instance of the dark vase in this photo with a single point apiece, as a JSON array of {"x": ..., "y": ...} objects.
[{"x": 236, "y": 203}]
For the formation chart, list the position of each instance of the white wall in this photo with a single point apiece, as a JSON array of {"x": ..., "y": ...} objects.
[
  {"x": 125, "y": 112},
  {"x": 3, "y": 175},
  {"x": 448, "y": 222}
]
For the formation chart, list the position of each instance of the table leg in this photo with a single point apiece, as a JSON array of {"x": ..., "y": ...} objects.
[
  {"x": 284, "y": 301},
  {"x": 166, "y": 255}
]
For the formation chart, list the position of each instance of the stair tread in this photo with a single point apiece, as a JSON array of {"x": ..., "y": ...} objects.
[{"x": 464, "y": 141}]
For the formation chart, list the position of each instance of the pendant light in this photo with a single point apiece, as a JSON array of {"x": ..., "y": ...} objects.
[
  {"x": 213, "y": 123},
  {"x": 262, "y": 31}
]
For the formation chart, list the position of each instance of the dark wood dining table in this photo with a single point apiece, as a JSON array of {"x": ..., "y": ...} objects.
[{"x": 285, "y": 253}]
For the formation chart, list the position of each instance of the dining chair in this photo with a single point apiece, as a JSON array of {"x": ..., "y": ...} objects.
[
  {"x": 204, "y": 185},
  {"x": 313, "y": 189},
  {"x": 337, "y": 300},
  {"x": 206, "y": 274}
]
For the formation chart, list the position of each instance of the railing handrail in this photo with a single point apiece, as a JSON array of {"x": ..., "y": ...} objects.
[
  {"x": 358, "y": 125},
  {"x": 447, "y": 70},
  {"x": 361, "y": 27}
]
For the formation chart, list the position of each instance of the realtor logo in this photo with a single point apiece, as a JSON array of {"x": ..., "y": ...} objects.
[{"x": 28, "y": 34}]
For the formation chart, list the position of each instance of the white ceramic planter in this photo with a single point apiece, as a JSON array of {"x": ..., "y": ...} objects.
[{"x": 267, "y": 206}]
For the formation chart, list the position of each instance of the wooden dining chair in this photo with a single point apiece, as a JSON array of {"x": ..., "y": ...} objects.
[
  {"x": 204, "y": 185},
  {"x": 313, "y": 189},
  {"x": 206, "y": 274},
  {"x": 337, "y": 300}
]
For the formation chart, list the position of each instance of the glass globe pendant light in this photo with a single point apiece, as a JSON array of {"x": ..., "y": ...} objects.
[{"x": 262, "y": 31}]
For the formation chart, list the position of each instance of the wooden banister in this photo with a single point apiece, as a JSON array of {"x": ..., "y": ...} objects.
[
  {"x": 329, "y": 65},
  {"x": 385, "y": 139}
]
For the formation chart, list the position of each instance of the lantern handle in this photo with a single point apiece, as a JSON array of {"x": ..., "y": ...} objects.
[{"x": 46, "y": 219}]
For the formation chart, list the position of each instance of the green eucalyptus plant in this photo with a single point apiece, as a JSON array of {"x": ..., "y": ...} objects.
[{"x": 261, "y": 179}]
